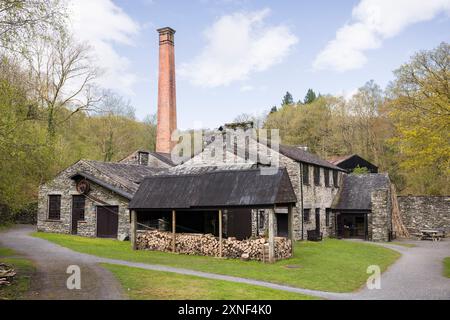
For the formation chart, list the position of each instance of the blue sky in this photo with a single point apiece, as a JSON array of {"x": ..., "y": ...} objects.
[{"x": 241, "y": 56}]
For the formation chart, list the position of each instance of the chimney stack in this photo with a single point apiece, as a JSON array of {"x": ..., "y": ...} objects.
[{"x": 167, "y": 105}]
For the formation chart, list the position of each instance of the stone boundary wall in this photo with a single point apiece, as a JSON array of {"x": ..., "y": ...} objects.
[
  {"x": 208, "y": 245},
  {"x": 425, "y": 212}
]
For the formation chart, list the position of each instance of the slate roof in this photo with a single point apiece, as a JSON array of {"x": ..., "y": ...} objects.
[
  {"x": 301, "y": 155},
  {"x": 126, "y": 175},
  {"x": 338, "y": 159},
  {"x": 356, "y": 190},
  {"x": 164, "y": 157},
  {"x": 222, "y": 188}
]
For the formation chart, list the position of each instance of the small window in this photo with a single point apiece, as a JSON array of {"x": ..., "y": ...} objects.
[
  {"x": 305, "y": 174},
  {"x": 78, "y": 205},
  {"x": 327, "y": 217},
  {"x": 306, "y": 215},
  {"x": 326, "y": 173},
  {"x": 262, "y": 219},
  {"x": 54, "y": 207},
  {"x": 143, "y": 158},
  {"x": 335, "y": 179},
  {"x": 317, "y": 176}
]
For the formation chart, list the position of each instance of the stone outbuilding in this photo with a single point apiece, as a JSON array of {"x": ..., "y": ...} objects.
[
  {"x": 90, "y": 198},
  {"x": 363, "y": 208}
]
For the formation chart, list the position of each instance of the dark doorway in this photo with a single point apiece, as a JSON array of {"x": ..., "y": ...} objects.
[
  {"x": 239, "y": 223},
  {"x": 352, "y": 225},
  {"x": 78, "y": 204},
  {"x": 318, "y": 221},
  {"x": 282, "y": 225},
  {"x": 107, "y": 221}
]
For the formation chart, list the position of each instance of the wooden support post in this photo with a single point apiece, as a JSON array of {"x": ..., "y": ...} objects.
[
  {"x": 174, "y": 230},
  {"x": 220, "y": 234},
  {"x": 133, "y": 228},
  {"x": 291, "y": 228},
  {"x": 271, "y": 236}
]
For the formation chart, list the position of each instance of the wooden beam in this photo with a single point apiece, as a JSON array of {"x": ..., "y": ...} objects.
[
  {"x": 220, "y": 235},
  {"x": 271, "y": 236},
  {"x": 174, "y": 230},
  {"x": 291, "y": 228},
  {"x": 133, "y": 230}
]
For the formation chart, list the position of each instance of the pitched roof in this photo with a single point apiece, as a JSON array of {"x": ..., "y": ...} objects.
[
  {"x": 338, "y": 159},
  {"x": 164, "y": 157},
  {"x": 355, "y": 192},
  {"x": 214, "y": 189},
  {"x": 126, "y": 175},
  {"x": 301, "y": 155}
]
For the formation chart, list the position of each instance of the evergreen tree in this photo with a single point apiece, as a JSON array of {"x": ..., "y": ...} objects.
[
  {"x": 273, "y": 109},
  {"x": 310, "y": 97},
  {"x": 287, "y": 99}
]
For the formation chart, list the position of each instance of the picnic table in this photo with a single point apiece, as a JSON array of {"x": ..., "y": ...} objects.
[{"x": 435, "y": 235}]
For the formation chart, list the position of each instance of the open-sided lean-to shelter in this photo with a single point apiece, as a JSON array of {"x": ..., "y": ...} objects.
[{"x": 198, "y": 202}]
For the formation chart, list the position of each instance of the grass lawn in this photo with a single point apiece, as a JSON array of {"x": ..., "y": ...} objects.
[
  {"x": 156, "y": 285},
  {"x": 447, "y": 267},
  {"x": 21, "y": 283},
  {"x": 331, "y": 265}
]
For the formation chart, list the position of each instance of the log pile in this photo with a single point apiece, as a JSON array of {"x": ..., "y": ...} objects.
[
  {"x": 7, "y": 274},
  {"x": 208, "y": 245}
]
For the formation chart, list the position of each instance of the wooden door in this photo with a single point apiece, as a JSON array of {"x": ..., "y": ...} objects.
[
  {"x": 78, "y": 204},
  {"x": 107, "y": 221}
]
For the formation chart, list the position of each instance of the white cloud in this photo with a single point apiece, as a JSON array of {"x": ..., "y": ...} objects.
[
  {"x": 103, "y": 25},
  {"x": 237, "y": 46},
  {"x": 372, "y": 22}
]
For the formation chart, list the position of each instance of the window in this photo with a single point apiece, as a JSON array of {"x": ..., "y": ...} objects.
[
  {"x": 143, "y": 158},
  {"x": 326, "y": 173},
  {"x": 54, "y": 207},
  {"x": 335, "y": 179},
  {"x": 317, "y": 176},
  {"x": 306, "y": 215},
  {"x": 305, "y": 174},
  {"x": 78, "y": 204},
  {"x": 327, "y": 217},
  {"x": 262, "y": 218}
]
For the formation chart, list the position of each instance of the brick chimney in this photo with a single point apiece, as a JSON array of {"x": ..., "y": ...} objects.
[{"x": 167, "y": 105}]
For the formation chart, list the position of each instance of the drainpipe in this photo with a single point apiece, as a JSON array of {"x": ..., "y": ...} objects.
[{"x": 301, "y": 198}]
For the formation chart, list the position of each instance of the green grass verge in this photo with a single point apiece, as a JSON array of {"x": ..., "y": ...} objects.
[
  {"x": 142, "y": 284},
  {"x": 6, "y": 252},
  {"x": 447, "y": 267},
  {"x": 330, "y": 265},
  {"x": 21, "y": 283}
]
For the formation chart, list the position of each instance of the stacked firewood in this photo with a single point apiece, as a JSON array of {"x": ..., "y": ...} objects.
[
  {"x": 7, "y": 274},
  {"x": 209, "y": 245}
]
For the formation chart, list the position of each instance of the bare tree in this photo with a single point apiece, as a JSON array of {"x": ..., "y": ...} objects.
[{"x": 62, "y": 76}]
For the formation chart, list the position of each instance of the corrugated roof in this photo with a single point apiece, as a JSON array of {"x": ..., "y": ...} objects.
[
  {"x": 356, "y": 190},
  {"x": 214, "y": 189}
]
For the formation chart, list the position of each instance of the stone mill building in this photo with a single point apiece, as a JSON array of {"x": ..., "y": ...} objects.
[{"x": 305, "y": 197}]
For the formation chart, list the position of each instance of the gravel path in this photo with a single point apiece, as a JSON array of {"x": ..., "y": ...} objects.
[{"x": 416, "y": 275}]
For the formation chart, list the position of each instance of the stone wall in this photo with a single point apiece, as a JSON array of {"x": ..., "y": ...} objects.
[
  {"x": 208, "y": 245},
  {"x": 98, "y": 196},
  {"x": 380, "y": 219},
  {"x": 425, "y": 212}
]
